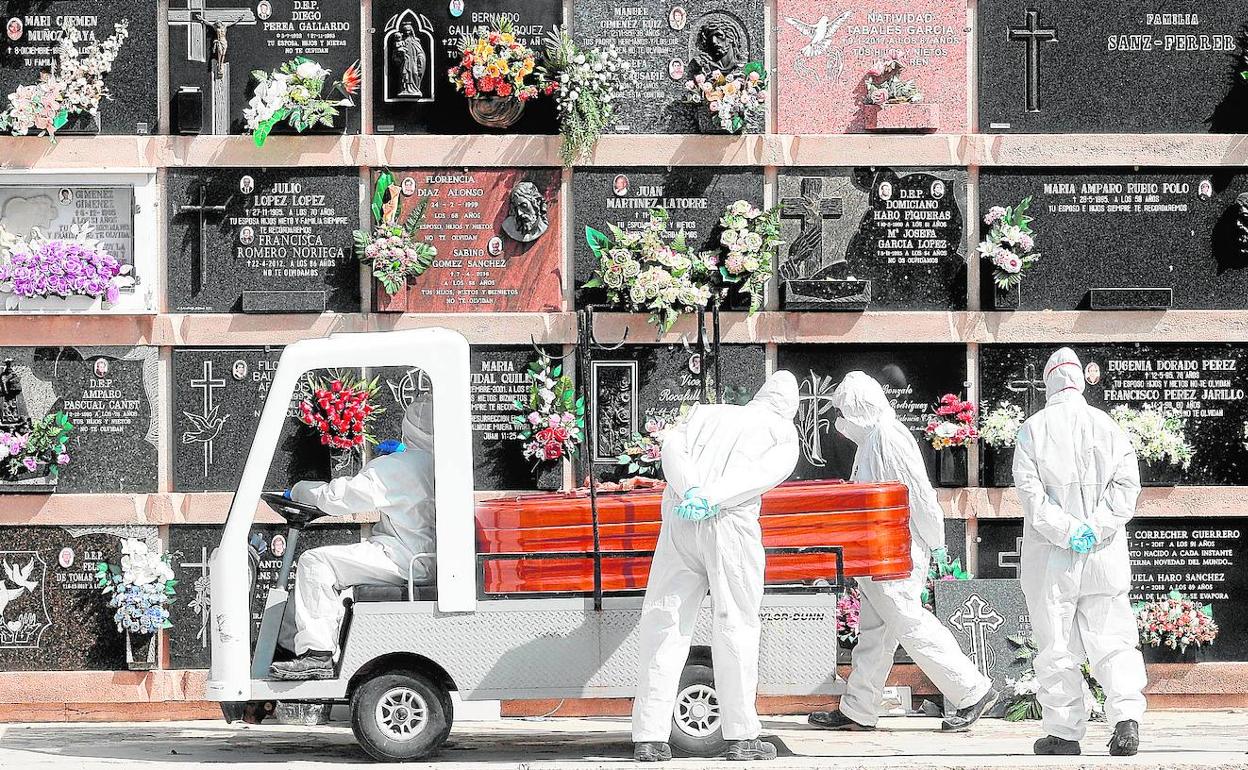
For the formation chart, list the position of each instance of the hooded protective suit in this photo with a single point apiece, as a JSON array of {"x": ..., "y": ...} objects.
[
  {"x": 730, "y": 455},
  {"x": 1073, "y": 466},
  {"x": 400, "y": 487},
  {"x": 891, "y": 610}
]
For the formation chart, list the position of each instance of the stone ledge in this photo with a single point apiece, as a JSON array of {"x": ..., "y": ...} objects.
[
  {"x": 374, "y": 150},
  {"x": 1162, "y": 502}
]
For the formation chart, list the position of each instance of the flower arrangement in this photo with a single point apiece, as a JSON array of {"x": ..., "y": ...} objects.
[
  {"x": 73, "y": 86},
  {"x": 1021, "y": 693},
  {"x": 938, "y": 571},
  {"x": 341, "y": 411},
  {"x": 1176, "y": 622},
  {"x": 1156, "y": 433},
  {"x": 1000, "y": 426},
  {"x": 292, "y": 93},
  {"x": 648, "y": 272},
  {"x": 40, "y": 451},
  {"x": 139, "y": 589},
  {"x": 586, "y": 81},
  {"x": 395, "y": 250},
  {"x": 885, "y": 85},
  {"x": 644, "y": 451},
  {"x": 493, "y": 63},
  {"x": 750, "y": 236},
  {"x": 552, "y": 419},
  {"x": 848, "y": 615},
  {"x": 953, "y": 424},
  {"x": 62, "y": 267},
  {"x": 1010, "y": 245},
  {"x": 734, "y": 99}
]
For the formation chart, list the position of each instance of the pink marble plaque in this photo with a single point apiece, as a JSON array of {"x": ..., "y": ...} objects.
[{"x": 827, "y": 47}]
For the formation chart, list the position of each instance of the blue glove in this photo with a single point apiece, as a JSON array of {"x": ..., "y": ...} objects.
[
  {"x": 390, "y": 447},
  {"x": 695, "y": 507},
  {"x": 286, "y": 494},
  {"x": 1083, "y": 541}
]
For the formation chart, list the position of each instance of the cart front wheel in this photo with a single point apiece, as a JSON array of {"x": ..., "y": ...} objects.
[
  {"x": 400, "y": 716},
  {"x": 696, "y": 720}
]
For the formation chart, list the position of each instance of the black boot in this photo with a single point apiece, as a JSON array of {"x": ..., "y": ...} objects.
[
  {"x": 835, "y": 720},
  {"x": 1059, "y": 747},
  {"x": 652, "y": 751},
  {"x": 313, "y": 664},
  {"x": 748, "y": 751},
  {"x": 962, "y": 719},
  {"x": 1125, "y": 741}
]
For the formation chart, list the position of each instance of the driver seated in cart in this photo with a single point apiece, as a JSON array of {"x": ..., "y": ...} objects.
[{"x": 399, "y": 485}]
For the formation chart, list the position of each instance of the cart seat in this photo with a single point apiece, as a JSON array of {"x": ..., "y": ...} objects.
[{"x": 384, "y": 593}]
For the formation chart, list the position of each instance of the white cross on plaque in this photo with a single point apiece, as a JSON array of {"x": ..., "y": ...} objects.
[{"x": 975, "y": 618}]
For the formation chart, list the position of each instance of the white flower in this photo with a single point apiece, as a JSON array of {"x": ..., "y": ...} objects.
[{"x": 310, "y": 70}]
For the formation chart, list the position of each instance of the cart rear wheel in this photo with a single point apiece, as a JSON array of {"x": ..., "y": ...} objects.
[
  {"x": 400, "y": 716},
  {"x": 696, "y": 719}
]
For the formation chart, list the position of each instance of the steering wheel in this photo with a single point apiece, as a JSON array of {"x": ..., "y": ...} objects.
[{"x": 295, "y": 514}]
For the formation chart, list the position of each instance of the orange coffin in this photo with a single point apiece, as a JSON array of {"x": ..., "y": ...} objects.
[{"x": 869, "y": 522}]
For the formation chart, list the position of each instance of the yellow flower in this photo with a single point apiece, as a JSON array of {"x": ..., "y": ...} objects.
[
  {"x": 508, "y": 38},
  {"x": 492, "y": 70},
  {"x": 730, "y": 88},
  {"x": 502, "y": 66}
]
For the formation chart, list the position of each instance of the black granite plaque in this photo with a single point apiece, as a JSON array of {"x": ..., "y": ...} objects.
[
  {"x": 263, "y": 240},
  {"x": 695, "y": 197},
  {"x": 1154, "y": 236},
  {"x": 1203, "y": 382},
  {"x": 215, "y": 45},
  {"x": 218, "y": 395},
  {"x": 29, "y": 47},
  {"x": 54, "y": 616},
  {"x": 411, "y": 97},
  {"x": 498, "y": 380},
  {"x": 1137, "y": 66},
  {"x": 665, "y": 45},
  {"x": 983, "y": 615},
  {"x": 189, "y": 549},
  {"x": 891, "y": 239},
  {"x": 913, "y": 376},
  {"x": 1204, "y": 558},
  {"x": 639, "y": 383},
  {"x": 109, "y": 394}
]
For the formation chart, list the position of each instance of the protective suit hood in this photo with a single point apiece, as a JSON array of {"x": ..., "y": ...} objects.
[
  {"x": 862, "y": 404},
  {"x": 418, "y": 426},
  {"x": 1063, "y": 373},
  {"x": 778, "y": 394}
]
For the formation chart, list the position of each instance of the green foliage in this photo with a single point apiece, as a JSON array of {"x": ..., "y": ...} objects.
[
  {"x": 384, "y": 180},
  {"x": 395, "y": 251},
  {"x": 586, "y": 82}
]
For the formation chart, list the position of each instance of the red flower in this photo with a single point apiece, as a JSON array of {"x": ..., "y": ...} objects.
[
  {"x": 552, "y": 451},
  {"x": 504, "y": 89},
  {"x": 351, "y": 79},
  {"x": 487, "y": 84}
]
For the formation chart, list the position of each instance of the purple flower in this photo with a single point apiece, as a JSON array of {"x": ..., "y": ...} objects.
[
  {"x": 62, "y": 459},
  {"x": 30, "y": 463}
]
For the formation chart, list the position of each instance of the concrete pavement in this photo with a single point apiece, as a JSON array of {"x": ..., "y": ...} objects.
[{"x": 1172, "y": 740}]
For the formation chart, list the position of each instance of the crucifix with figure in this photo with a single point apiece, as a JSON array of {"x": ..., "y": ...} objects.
[
  {"x": 199, "y": 20},
  {"x": 204, "y": 210},
  {"x": 1033, "y": 35},
  {"x": 813, "y": 210}
]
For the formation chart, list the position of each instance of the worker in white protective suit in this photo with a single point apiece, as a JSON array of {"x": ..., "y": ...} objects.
[
  {"x": 1078, "y": 480},
  {"x": 891, "y": 610},
  {"x": 718, "y": 463},
  {"x": 400, "y": 486}
]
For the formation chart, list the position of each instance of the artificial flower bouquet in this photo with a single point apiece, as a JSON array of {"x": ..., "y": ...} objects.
[
  {"x": 1158, "y": 434},
  {"x": 39, "y": 452},
  {"x": 1010, "y": 246},
  {"x": 341, "y": 411},
  {"x": 1021, "y": 701},
  {"x": 586, "y": 82},
  {"x": 643, "y": 452},
  {"x": 498, "y": 74},
  {"x": 939, "y": 571},
  {"x": 651, "y": 272},
  {"x": 293, "y": 93},
  {"x": 47, "y": 268},
  {"x": 73, "y": 86},
  {"x": 552, "y": 419},
  {"x": 953, "y": 424},
  {"x": 735, "y": 101},
  {"x": 395, "y": 251},
  {"x": 999, "y": 427},
  {"x": 848, "y": 617},
  {"x": 884, "y": 84},
  {"x": 1176, "y": 622},
  {"x": 140, "y": 588},
  {"x": 750, "y": 237}
]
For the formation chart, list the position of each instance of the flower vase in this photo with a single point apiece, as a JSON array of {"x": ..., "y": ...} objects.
[
  {"x": 998, "y": 467},
  {"x": 1160, "y": 474},
  {"x": 549, "y": 476},
  {"x": 141, "y": 651},
  {"x": 953, "y": 471},
  {"x": 1007, "y": 299},
  {"x": 495, "y": 111},
  {"x": 1164, "y": 654},
  {"x": 708, "y": 122},
  {"x": 905, "y": 117},
  {"x": 80, "y": 124},
  {"x": 74, "y": 303},
  {"x": 36, "y": 482}
]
